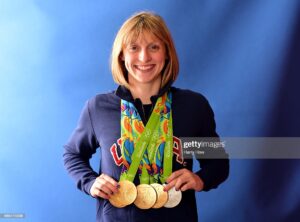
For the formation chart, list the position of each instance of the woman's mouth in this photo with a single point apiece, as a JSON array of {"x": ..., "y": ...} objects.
[{"x": 144, "y": 68}]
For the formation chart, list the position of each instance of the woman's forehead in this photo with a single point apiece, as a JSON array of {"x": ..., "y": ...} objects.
[{"x": 141, "y": 36}]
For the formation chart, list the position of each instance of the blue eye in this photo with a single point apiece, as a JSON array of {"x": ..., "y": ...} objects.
[
  {"x": 154, "y": 47},
  {"x": 132, "y": 48}
]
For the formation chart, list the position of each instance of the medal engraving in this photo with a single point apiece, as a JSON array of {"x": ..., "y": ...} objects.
[
  {"x": 162, "y": 196},
  {"x": 126, "y": 195},
  {"x": 146, "y": 196},
  {"x": 174, "y": 198}
]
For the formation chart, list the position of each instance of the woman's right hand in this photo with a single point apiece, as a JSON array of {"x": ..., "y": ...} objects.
[{"x": 104, "y": 186}]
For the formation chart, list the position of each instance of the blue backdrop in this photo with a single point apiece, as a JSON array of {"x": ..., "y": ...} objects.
[{"x": 54, "y": 55}]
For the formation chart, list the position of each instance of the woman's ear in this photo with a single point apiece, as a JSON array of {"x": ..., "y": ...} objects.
[{"x": 122, "y": 56}]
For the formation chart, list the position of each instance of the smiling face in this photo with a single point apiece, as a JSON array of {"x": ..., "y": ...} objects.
[{"x": 144, "y": 60}]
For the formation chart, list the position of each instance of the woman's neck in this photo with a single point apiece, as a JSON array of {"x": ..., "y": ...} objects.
[{"x": 145, "y": 91}]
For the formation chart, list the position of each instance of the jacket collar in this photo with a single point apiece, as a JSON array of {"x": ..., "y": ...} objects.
[{"x": 125, "y": 93}]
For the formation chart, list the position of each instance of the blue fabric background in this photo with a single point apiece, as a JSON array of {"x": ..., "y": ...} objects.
[{"x": 244, "y": 56}]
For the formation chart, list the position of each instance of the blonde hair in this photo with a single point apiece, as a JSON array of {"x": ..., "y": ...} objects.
[{"x": 129, "y": 32}]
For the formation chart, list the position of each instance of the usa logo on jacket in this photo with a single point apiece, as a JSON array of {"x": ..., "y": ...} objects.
[{"x": 115, "y": 150}]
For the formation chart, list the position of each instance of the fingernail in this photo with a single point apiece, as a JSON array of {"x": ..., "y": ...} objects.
[{"x": 176, "y": 189}]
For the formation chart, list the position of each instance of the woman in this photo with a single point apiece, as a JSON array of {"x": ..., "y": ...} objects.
[{"x": 144, "y": 64}]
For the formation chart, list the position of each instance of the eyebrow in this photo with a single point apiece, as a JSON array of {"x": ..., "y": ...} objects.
[{"x": 135, "y": 43}]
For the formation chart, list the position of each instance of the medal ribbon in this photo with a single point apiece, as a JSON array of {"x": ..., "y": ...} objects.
[
  {"x": 145, "y": 148},
  {"x": 160, "y": 149}
]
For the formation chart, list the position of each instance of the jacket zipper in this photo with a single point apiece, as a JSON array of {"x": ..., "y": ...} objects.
[{"x": 144, "y": 114}]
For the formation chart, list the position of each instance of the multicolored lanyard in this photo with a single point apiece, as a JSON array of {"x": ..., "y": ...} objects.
[{"x": 150, "y": 148}]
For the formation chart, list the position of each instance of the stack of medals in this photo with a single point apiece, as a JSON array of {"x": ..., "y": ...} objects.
[{"x": 153, "y": 148}]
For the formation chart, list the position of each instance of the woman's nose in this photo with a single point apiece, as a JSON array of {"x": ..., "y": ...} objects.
[{"x": 144, "y": 56}]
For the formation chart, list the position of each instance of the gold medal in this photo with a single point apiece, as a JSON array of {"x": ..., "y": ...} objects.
[
  {"x": 126, "y": 195},
  {"x": 174, "y": 198},
  {"x": 146, "y": 196},
  {"x": 162, "y": 196}
]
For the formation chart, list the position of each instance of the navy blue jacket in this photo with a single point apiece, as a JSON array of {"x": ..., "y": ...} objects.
[{"x": 99, "y": 126}]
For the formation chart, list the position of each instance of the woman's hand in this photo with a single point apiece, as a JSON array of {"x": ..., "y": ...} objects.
[
  {"x": 104, "y": 186},
  {"x": 183, "y": 180}
]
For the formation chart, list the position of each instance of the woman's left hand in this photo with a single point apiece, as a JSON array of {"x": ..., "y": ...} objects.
[{"x": 183, "y": 180}]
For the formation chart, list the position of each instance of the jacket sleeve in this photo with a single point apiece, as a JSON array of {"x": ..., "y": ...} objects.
[
  {"x": 212, "y": 171},
  {"x": 79, "y": 149}
]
